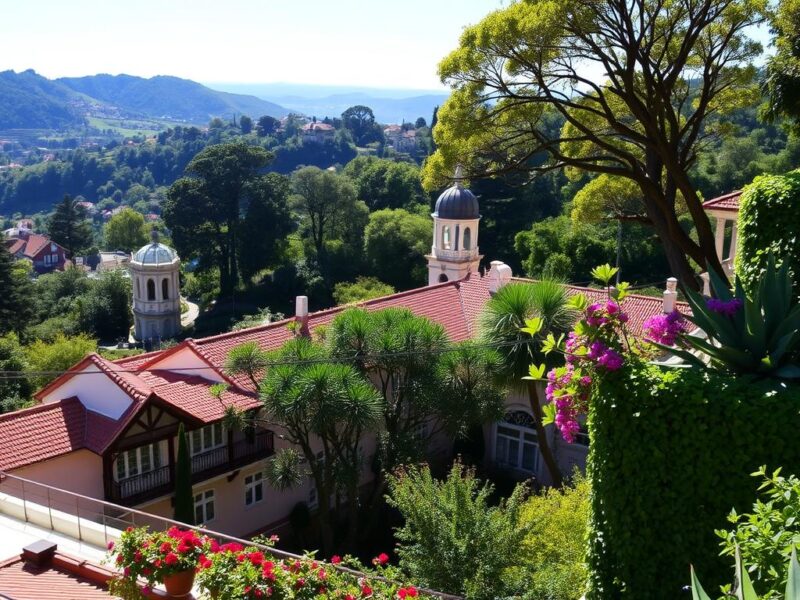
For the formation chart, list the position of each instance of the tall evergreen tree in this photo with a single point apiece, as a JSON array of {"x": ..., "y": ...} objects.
[
  {"x": 184, "y": 502},
  {"x": 68, "y": 226},
  {"x": 14, "y": 306}
]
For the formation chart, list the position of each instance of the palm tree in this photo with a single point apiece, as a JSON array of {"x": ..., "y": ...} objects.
[{"x": 501, "y": 326}]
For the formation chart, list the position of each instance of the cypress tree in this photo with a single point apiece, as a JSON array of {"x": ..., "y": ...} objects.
[
  {"x": 184, "y": 501},
  {"x": 69, "y": 227},
  {"x": 15, "y": 307}
]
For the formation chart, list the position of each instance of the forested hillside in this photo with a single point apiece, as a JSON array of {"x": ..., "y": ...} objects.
[
  {"x": 169, "y": 97},
  {"x": 30, "y": 101}
]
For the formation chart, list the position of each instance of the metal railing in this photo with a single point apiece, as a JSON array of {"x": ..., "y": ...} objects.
[
  {"x": 142, "y": 483},
  {"x": 97, "y": 522}
]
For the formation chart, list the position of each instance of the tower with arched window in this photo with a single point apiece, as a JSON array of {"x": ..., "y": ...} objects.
[
  {"x": 454, "y": 252},
  {"x": 156, "y": 293}
]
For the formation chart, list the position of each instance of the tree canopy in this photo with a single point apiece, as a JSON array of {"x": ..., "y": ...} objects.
[
  {"x": 665, "y": 73},
  {"x": 126, "y": 231},
  {"x": 69, "y": 227}
]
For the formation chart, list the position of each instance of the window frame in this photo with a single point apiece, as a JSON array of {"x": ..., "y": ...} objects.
[
  {"x": 201, "y": 503},
  {"x": 124, "y": 459},
  {"x": 254, "y": 486},
  {"x": 207, "y": 445}
]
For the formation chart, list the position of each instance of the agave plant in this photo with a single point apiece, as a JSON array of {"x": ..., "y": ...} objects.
[
  {"x": 743, "y": 588},
  {"x": 759, "y": 333}
]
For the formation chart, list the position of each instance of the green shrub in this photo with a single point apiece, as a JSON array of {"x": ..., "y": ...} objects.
[
  {"x": 767, "y": 536},
  {"x": 555, "y": 547},
  {"x": 769, "y": 219},
  {"x": 743, "y": 587},
  {"x": 453, "y": 540},
  {"x": 671, "y": 454}
]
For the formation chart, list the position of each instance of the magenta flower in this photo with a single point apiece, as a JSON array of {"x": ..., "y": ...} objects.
[
  {"x": 664, "y": 329},
  {"x": 727, "y": 308}
]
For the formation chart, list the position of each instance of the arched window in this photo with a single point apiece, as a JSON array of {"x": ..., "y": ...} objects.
[
  {"x": 467, "y": 239},
  {"x": 446, "y": 237},
  {"x": 456, "y": 240},
  {"x": 516, "y": 445},
  {"x": 442, "y": 278},
  {"x": 138, "y": 289},
  {"x": 151, "y": 289},
  {"x": 165, "y": 289}
]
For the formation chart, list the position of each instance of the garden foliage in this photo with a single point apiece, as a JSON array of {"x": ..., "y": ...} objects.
[
  {"x": 768, "y": 223},
  {"x": 671, "y": 454}
]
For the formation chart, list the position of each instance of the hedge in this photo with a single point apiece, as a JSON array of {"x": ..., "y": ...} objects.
[
  {"x": 769, "y": 221},
  {"x": 672, "y": 452}
]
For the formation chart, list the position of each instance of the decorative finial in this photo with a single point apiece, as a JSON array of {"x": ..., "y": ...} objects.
[
  {"x": 154, "y": 235},
  {"x": 458, "y": 176}
]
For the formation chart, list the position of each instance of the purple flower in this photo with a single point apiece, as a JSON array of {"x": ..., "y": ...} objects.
[
  {"x": 611, "y": 360},
  {"x": 724, "y": 307},
  {"x": 664, "y": 329}
]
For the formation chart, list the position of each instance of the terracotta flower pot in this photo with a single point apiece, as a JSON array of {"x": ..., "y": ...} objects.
[{"x": 179, "y": 584}]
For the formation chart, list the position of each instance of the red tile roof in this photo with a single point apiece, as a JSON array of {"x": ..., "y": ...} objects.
[
  {"x": 36, "y": 243},
  {"x": 130, "y": 383},
  {"x": 49, "y": 430},
  {"x": 65, "y": 578},
  {"x": 16, "y": 245},
  {"x": 726, "y": 202}
]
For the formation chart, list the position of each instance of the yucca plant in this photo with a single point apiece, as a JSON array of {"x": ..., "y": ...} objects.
[
  {"x": 743, "y": 588},
  {"x": 757, "y": 333}
]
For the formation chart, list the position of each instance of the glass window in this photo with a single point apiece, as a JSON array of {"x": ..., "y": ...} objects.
[
  {"x": 204, "y": 507},
  {"x": 467, "y": 238},
  {"x": 165, "y": 289},
  {"x": 516, "y": 444},
  {"x": 207, "y": 438},
  {"x": 253, "y": 489},
  {"x": 138, "y": 460},
  {"x": 446, "y": 237},
  {"x": 151, "y": 289}
]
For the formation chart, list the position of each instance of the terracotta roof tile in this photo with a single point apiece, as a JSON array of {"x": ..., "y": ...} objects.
[
  {"x": 16, "y": 245},
  {"x": 36, "y": 243},
  {"x": 727, "y": 202},
  {"x": 64, "y": 579}
]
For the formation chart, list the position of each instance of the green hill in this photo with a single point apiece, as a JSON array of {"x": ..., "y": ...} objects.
[
  {"x": 30, "y": 101},
  {"x": 169, "y": 97}
]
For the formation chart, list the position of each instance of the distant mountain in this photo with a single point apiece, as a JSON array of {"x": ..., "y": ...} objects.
[
  {"x": 169, "y": 97},
  {"x": 30, "y": 101},
  {"x": 389, "y": 105}
]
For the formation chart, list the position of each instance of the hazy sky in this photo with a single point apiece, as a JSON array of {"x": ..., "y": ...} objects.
[{"x": 381, "y": 43}]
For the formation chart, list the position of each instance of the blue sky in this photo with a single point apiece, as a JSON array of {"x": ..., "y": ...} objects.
[{"x": 380, "y": 43}]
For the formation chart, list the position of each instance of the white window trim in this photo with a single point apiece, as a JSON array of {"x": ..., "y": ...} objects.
[
  {"x": 207, "y": 432},
  {"x": 256, "y": 481},
  {"x": 206, "y": 497},
  {"x": 521, "y": 431},
  {"x": 154, "y": 450}
]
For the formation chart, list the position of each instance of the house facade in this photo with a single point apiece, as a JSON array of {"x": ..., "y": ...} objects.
[
  {"x": 45, "y": 254},
  {"x": 108, "y": 429},
  {"x": 317, "y": 132}
]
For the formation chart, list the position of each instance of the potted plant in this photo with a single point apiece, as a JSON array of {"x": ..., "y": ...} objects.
[{"x": 169, "y": 557}]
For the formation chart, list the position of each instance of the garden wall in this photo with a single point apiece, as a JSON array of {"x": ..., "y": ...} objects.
[{"x": 672, "y": 452}]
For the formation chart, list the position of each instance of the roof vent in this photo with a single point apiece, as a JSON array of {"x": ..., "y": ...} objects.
[
  {"x": 499, "y": 275},
  {"x": 39, "y": 553}
]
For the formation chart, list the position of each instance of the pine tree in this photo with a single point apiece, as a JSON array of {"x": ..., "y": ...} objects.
[
  {"x": 184, "y": 501},
  {"x": 14, "y": 309},
  {"x": 68, "y": 226}
]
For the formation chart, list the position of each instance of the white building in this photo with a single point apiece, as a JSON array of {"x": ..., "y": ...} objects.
[{"x": 155, "y": 270}]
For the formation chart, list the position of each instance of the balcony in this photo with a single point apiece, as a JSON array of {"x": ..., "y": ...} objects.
[
  {"x": 455, "y": 255},
  {"x": 159, "y": 482}
]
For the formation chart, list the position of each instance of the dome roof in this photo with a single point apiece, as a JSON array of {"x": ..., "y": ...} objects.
[
  {"x": 155, "y": 254},
  {"x": 457, "y": 202}
]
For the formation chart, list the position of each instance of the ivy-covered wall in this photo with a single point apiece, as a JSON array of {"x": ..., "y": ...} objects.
[
  {"x": 672, "y": 452},
  {"x": 769, "y": 221}
]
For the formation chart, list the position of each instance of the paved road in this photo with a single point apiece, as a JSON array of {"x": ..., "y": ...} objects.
[{"x": 188, "y": 318}]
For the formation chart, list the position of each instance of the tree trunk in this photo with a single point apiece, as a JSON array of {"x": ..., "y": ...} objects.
[{"x": 541, "y": 434}]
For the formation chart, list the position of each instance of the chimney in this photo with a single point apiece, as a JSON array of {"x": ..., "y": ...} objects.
[
  {"x": 499, "y": 275},
  {"x": 301, "y": 314},
  {"x": 39, "y": 553},
  {"x": 670, "y": 295}
]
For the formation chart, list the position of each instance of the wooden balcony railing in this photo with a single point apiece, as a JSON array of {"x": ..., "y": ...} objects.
[{"x": 158, "y": 482}]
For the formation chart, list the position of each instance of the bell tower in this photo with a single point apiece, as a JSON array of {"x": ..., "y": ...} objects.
[{"x": 454, "y": 252}]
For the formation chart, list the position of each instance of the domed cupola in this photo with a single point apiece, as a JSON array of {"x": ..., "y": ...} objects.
[
  {"x": 454, "y": 252},
  {"x": 457, "y": 202},
  {"x": 155, "y": 270}
]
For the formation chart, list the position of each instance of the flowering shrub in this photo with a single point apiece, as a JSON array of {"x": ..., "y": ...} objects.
[
  {"x": 150, "y": 556},
  {"x": 665, "y": 328},
  {"x": 236, "y": 572}
]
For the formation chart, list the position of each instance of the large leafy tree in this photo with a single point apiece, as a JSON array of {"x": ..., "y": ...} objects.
[
  {"x": 383, "y": 183},
  {"x": 360, "y": 121},
  {"x": 332, "y": 219},
  {"x": 209, "y": 208},
  {"x": 126, "y": 231},
  {"x": 324, "y": 409},
  {"x": 782, "y": 81},
  {"x": 68, "y": 226},
  {"x": 501, "y": 323},
  {"x": 398, "y": 238},
  {"x": 15, "y": 304},
  {"x": 636, "y": 84}
]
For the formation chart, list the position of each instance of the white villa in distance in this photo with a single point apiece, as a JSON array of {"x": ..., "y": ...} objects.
[{"x": 107, "y": 429}]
